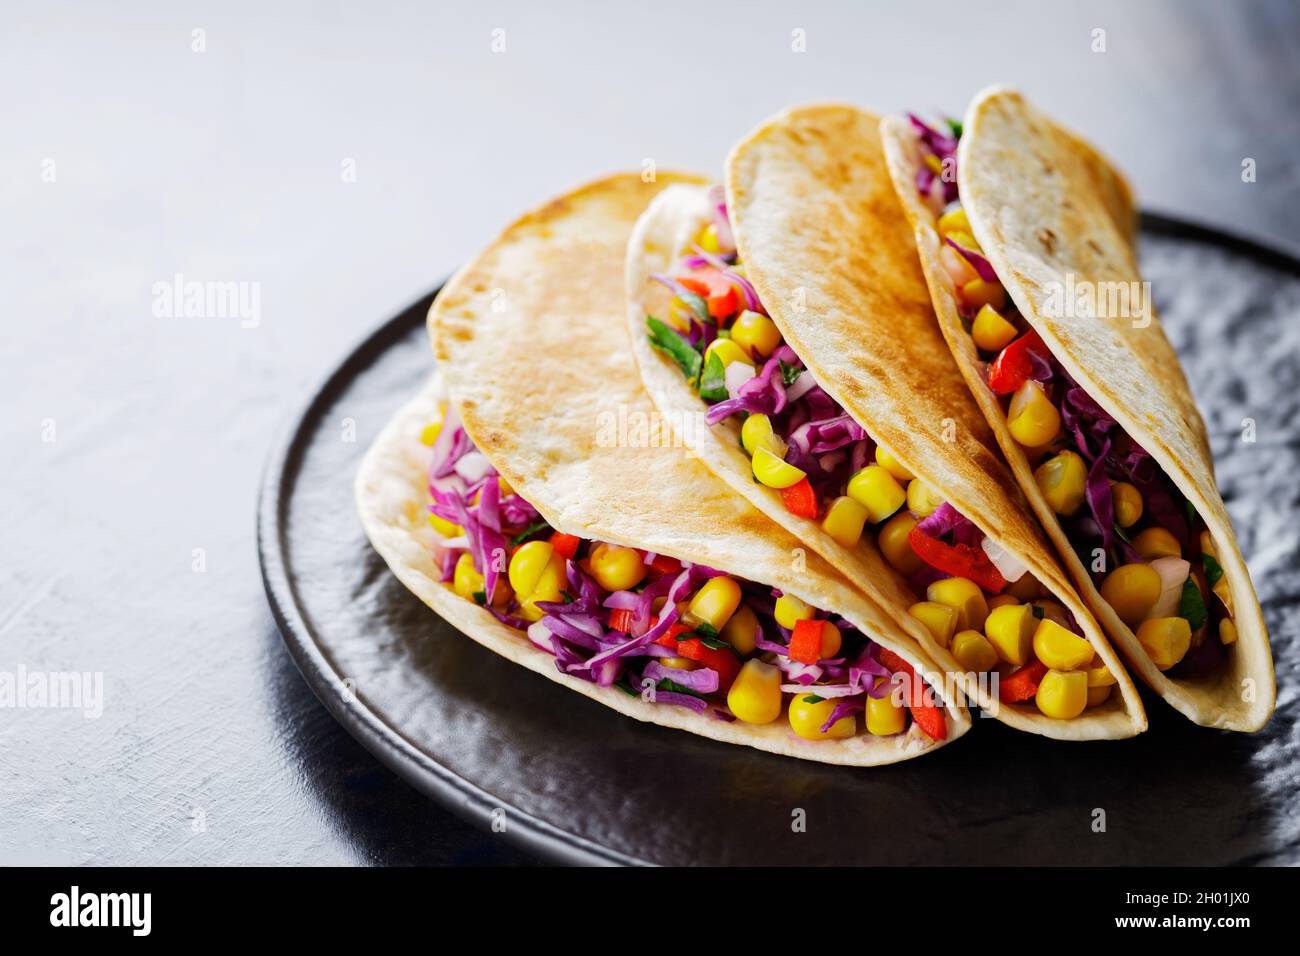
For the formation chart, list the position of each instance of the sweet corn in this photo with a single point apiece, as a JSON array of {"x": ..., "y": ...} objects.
[
  {"x": 757, "y": 433},
  {"x": 773, "y": 472},
  {"x": 991, "y": 331},
  {"x": 1062, "y": 479},
  {"x": 1062, "y": 694},
  {"x": 429, "y": 434},
  {"x": 678, "y": 663},
  {"x": 741, "y": 630},
  {"x": 895, "y": 546},
  {"x": 939, "y": 619},
  {"x": 921, "y": 499},
  {"x": 1025, "y": 589},
  {"x": 1001, "y": 600},
  {"x": 876, "y": 490},
  {"x": 707, "y": 239},
  {"x": 715, "y": 602},
  {"x": 974, "y": 652},
  {"x": 1060, "y": 649},
  {"x": 954, "y": 220},
  {"x": 790, "y": 610},
  {"x": 1099, "y": 695},
  {"x": 1127, "y": 502},
  {"x": 1227, "y": 631},
  {"x": 728, "y": 352},
  {"x": 1032, "y": 418},
  {"x": 756, "y": 333},
  {"x": 844, "y": 520},
  {"x": 806, "y": 718},
  {"x": 964, "y": 239},
  {"x": 977, "y": 294},
  {"x": 1132, "y": 591},
  {"x": 1166, "y": 640},
  {"x": 755, "y": 694},
  {"x": 884, "y": 716},
  {"x": 965, "y": 597},
  {"x": 1011, "y": 630},
  {"x": 1100, "y": 675},
  {"x": 892, "y": 465},
  {"x": 616, "y": 568},
  {"x": 527, "y": 565},
  {"x": 465, "y": 580},
  {"x": 445, "y": 528},
  {"x": 830, "y": 641},
  {"x": 1157, "y": 543}
]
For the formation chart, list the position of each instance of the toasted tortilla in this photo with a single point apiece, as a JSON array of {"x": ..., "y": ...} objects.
[
  {"x": 828, "y": 248},
  {"x": 531, "y": 346},
  {"x": 1045, "y": 205}
]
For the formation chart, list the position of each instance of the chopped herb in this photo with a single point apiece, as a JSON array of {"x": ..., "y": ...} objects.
[
  {"x": 698, "y": 306},
  {"x": 716, "y": 643},
  {"x": 675, "y": 346},
  {"x": 1213, "y": 570},
  {"x": 713, "y": 380},
  {"x": 813, "y": 699},
  {"x": 1036, "y": 611},
  {"x": 1192, "y": 605},
  {"x": 954, "y": 125},
  {"x": 1123, "y": 535},
  {"x": 626, "y": 688},
  {"x": 789, "y": 373},
  {"x": 706, "y": 630},
  {"x": 675, "y": 688},
  {"x": 528, "y": 532},
  {"x": 480, "y": 598},
  {"x": 724, "y": 333}
]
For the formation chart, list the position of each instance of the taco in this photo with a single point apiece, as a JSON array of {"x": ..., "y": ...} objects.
[
  {"x": 1026, "y": 235},
  {"x": 785, "y": 327},
  {"x": 528, "y": 496}
]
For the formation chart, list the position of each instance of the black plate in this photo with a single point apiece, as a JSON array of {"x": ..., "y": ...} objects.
[{"x": 572, "y": 781}]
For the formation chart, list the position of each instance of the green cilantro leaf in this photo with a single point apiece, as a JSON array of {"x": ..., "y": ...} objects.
[
  {"x": 674, "y": 345},
  {"x": 1192, "y": 605},
  {"x": 713, "y": 380}
]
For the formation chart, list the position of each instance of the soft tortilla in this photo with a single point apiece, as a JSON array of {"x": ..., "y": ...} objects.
[
  {"x": 530, "y": 342},
  {"x": 827, "y": 247},
  {"x": 1044, "y": 205}
]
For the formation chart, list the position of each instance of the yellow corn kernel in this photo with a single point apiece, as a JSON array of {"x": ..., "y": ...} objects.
[
  {"x": 1127, "y": 503},
  {"x": 678, "y": 663},
  {"x": 741, "y": 630},
  {"x": 755, "y": 694},
  {"x": 806, "y": 718},
  {"x": 831, "y": 640},
  {"x": 1166, "y": 640},
  {"x": 1132, "y": 591},
  {"x": 715, "y": 602},
  {"x": 1099, "y": 675},
  {"x": 1059, "y": 648},
  {"x": 1157, "y": 543},
  {"x": 790, "y": 610},
  {"x": 939, "y": 619},
  {"x": 757, "y": 433},
  {"x": 887, "y": 461},
  {"x": 885, "y": 716},
  {"x": 1010, "y": 630},
  {"x": 773, "y": 472},
  {"x": 964, "y": 239},
  {"x": 1099, "y": 695},
  {"x": 877, "y": 491},
  {"x": 974, "y": 652},
  {"x": 895, "y": 546},
  {"x": 444, "y": 527},
  {"x": 755, "y": 333},
  {"x": 965, "y": 597},
  {"x": 429, "y": 434},
  {"x": 1032, "y": 418},
  {"x": 1025, "y": 589},
  {"x": 707, "y": 239},
  {"x": 1227, "y": 631},
  {"x": 844, "y": 520},
  {"x": 1002, "y": 600},
  {"x": 1062, "y": 694},
  {"x": 465, "y": 580},
  {"x": 977, "y": 294},
  {"x": 616, "y": 568},
  {"x": 527, "y": 564},
  {"x": 1062, "y": 479},
  {"x": 728, "y": 352},
  {"x": 954, "y": 221},
  {"x": 921, "y": 499},
  {"x": 991, "y": 331}
]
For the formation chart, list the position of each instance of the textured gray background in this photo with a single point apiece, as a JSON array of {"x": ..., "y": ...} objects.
[{"x": 226, "y": 165}]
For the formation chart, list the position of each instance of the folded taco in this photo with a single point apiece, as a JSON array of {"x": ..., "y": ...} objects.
[
  {"x": 785, "y": 328},
  {"x": 1026, "y": 235},
  {"x": 528, "y": 497}
]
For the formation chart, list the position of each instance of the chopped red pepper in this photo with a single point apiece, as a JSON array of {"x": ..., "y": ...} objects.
[
  {"x": 927, "y": 714},
  {"x": 714, "y": 288},
  {"x": 1023, "y": 684},
  {"x": 800, "y": 499},
  {"x": 566, "y": 545},
  {"x": 665, "y": 565},
  {"x": 1012, "y": 366},
  {"x": 620, "y": 619},
  {"x": 669, "y": 637},
  {"x": 957, "y": 560},
  {"x": 721, "y": 659},
  {"x": 806, "y": 642}
]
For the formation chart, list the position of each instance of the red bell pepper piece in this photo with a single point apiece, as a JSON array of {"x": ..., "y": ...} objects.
[
  {"x": 800, "y": 499},
  {"x": 669, "y": 637},
  {"x": 806, "y": 642},
  {"x": 713, "y": 287},
  {"x": 566, "y": 545},
  {"x": 620, "y": 619},
  {"x": 1012, "y": 366},
  {"x": 1023, "y": 684},
  {"x": 927, "y": 714},
  {"x": 957, "y": 560},
  {"x": 665, "y": 565},
  {"x": 721, "y": 659}
]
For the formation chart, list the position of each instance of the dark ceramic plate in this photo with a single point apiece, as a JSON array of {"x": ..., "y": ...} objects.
[{"x": 572, "y": 781}]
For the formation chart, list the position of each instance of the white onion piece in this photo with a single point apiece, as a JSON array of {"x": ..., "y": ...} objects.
[
  {"x": 736, "y": 375},
  {"x": 473, "y": 466},
  {"x": 1173, "y": 573},
  {"x": 540, "y": 635},
  {"x": 804, "y": 384},
  {"x": 458, "y": 543},
  {"x": 1009, "y": 566}
]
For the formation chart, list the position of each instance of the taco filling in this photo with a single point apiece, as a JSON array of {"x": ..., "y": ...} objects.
[
  {"x": 652, "y": 626},
  {"x": 974, "y": 597},
  {"x": 1146, "y": 548}
]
